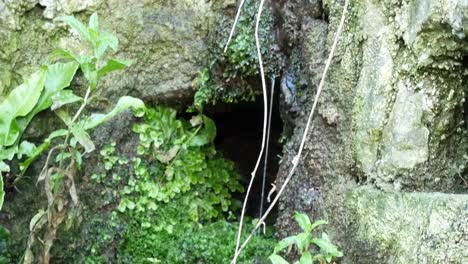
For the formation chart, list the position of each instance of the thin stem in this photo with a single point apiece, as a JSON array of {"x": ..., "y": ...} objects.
[
  {"x": 306, "y": 131},
  {"x": 265, "y": 163},
  {"x": 265, "y": 117},
  {"x": 239, "y": 10},
  {"x": 75, "y": 117}
]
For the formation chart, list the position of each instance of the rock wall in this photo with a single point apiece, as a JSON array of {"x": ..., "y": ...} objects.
[
  {"x": 166, "y": 40},
  {"x": 390, "y": 119}
]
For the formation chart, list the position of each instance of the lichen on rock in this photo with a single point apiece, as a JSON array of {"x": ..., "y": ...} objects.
[{"x": 395, "y": 227}]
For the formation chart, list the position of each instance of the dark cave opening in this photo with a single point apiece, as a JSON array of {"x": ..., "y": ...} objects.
[{"x": 239, "y": 138}]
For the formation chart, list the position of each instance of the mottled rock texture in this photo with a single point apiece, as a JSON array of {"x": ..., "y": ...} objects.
[
  {"x": 166, "y": 40},
  {"x": 395, "y": 227},
  {"x": 390, "y": 118}
]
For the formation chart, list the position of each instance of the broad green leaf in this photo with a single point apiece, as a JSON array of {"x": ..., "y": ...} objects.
[
  {"x": 112, "y": 65},
  {"x": 26, "y": 148},
  {"x": 4, "y": 167},
  {"x": 76, "y": 25},
  {"x": 302, "y": 241},
  {"x": 83, "y": 138},
  {"x": 303, "y": 221},
  {"x": 60, "y": 54},
  {"x": 123, "y": 104},
  {"x": 306, "y": 258},
  {"x": 8, "y": 153},
  {"x": 59, "y": 76},
  {"x": 94, "y": 22},
  {"x": 20, "y": 102},
  {"x": 318, "y": 223},
  {"x": 284, "y": 243},
  {"x": 41, "y": 148},
  {"x": 205, "y": 135},
  {"x": 64, "y": 97},
  {"x": 326, "y": 246},
  {"x": 275, "y": 259},
  {"x": 93, "y": 29},
  {"x": 106, "y": 40}
]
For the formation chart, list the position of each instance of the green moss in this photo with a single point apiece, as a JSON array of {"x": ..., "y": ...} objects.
[
  {"x": 228, "y": 75},
  {"x": 210, "y": 243}
]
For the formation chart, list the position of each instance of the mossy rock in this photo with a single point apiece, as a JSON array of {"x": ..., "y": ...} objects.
[{"x": 393, "y": 227}]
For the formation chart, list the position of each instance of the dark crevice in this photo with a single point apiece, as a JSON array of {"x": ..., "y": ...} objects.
[
  {"x": 239, "y": 137},
  {"x": 465, "y": 85}
]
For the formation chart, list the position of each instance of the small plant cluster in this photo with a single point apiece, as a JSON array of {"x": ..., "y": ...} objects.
[
  {"x": 179, "y": 177},
  {"x": 303, "y": 241},
  {"x": 48, "y": 88},
  {"x": 229, "y": 74},
  {"x": 178, "y": 199},
  {"x": 208, "y": 243}
]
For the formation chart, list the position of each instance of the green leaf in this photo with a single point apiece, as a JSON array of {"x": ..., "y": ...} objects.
[
  {"x": 275, "y": 259},
  {"x": 303, "y": 221},
  {"x": 59, "y": 77},
  {"x": 60, "y": 54},
  {"x": 20, "y": 102},
  {"x": 76, "y": 25},
  {"x": 4, "y": 167},
  {"x": 318, "y": 223},
  {"x": 112, "y": 65},
  {"x": 26, "y": 148},
  {"x": 90, "y": 73},
  {"x": 284, "y": 243},
  {"x": 302, "y": 241},
  {"x": 64, "y": 97},
  {"x": 2, "y": 192},
  {"x": 43, "y": 147},
  {"x": 94, "y": 22},
  {"x": 8, "y": 153},
  {"x": 83, "y": 138},
  {"x": 106, "y": 40},
  {"x": 64, "y": 116},
  {"x": 326, "y": 246},
  {"x": 306, "y": 258},
  {"x": 206, "y": 135},
  {"x": 123, "y": 104}
]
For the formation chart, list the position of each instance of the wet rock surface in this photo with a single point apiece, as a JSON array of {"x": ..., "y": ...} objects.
[{"x": 390, "y": 118}]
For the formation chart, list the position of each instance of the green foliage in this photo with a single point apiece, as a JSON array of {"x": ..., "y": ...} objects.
[
  {"x": 4, "y": 241},
  {"x": 227, "y": 76},
  {"x": 64, "y": 160},
  {"x": 179, "y": 177},
  {"x": 210, "y": 243},
  {"x": 177, "y": 198},
  {"x": 302, "y": 242}
]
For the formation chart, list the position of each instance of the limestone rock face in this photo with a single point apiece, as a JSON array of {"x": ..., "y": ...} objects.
[
  {"x": 391, "y": 118},
  {"x": 164, "y": 39},
  {"x": 393, "y": 227}
]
